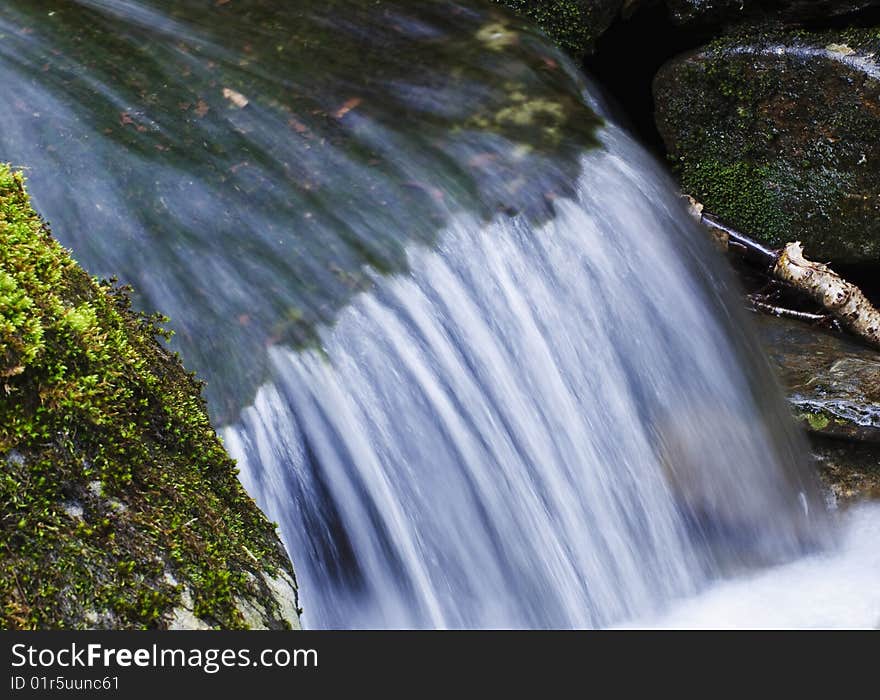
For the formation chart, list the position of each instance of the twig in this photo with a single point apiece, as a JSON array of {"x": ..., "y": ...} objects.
[
  {"x": 782, "y": 312},
  {"x": 842, "y": 299}
]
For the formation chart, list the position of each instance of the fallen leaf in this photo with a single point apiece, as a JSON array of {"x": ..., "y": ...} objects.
[
  {"x": 202, "y": 108},
  {"x": 297, "y": 126},
  {"x": 347, "y": 107}
]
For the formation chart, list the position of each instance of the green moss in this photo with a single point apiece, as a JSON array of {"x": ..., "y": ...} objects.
[
  {"x": 573, "y": 24},
  {"x": 736, "y": 191},
  {"x": 115, "y": 493},
  {"x": 817, "y": 421}
]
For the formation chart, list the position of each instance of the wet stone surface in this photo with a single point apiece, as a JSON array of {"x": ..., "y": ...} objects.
[
  {"x": 850, "y": 470},
  {"x": 833, "y": 383},
  {"x": 776, "y": 131}
]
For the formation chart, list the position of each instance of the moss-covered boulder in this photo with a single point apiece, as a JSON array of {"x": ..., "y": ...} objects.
[
  {"x": 778, "y": 132},
  {"x": 572, "y": 24},
  {"x": 118, "y": 504},
  {"x": 733, "y": 10}
]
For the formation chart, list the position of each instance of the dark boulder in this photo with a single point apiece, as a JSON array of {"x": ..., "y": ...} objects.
[
  {"x": 778, "y": 133},
  {"x": 734, "y": 10},
  {"x": 833, "y": 383},
  {"x": 850, "y": 470}
]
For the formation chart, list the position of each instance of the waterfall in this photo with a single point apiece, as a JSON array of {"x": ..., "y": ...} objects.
[
  {"x": 537, "y": 426},
  {"x": 469, "y": 350}
]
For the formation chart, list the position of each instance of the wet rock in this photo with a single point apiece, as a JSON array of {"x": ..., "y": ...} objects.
[
  {"x": 731, "y": 10},
  {"x": 850, "y": 470},
  {"x": 833, "y": 386},
  {"x": 572, "y": 24},
  {"x": 833, "y": 383},
  {"x": 778, "y": 133}
]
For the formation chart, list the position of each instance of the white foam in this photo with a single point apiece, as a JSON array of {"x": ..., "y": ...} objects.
[{"x": 837, "y": 589}]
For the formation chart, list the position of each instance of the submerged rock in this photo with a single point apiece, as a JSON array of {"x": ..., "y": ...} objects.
[
  {"x": 119, "y": 507},
  {"x": 778, "y": 133},
  {"x": 255, "y": 135},
  {"x": 833, "y": 383},
  {"x": 731, "y": 10},
  {"x": 575, "y": 25}
]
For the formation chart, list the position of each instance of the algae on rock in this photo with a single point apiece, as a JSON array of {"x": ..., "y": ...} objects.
[
  {"x": 118, "y": 505},
  {"x": 575, "y": 25}
]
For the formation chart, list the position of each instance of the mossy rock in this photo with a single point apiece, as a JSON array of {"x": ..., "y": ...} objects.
[
  {"x": 733, "y": 10},
  {"x": 778, "y": 133},
  {"x": 574, "y": 25},
  {"x": 118, "y": 505}
]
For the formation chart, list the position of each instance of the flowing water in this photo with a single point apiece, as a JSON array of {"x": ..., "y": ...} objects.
[{"x": 469, "y": 351}]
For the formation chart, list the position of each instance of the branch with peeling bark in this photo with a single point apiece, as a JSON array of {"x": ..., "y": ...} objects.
[{"x": 843, "y": 300}]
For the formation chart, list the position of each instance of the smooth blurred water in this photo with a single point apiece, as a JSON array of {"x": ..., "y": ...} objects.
[
  {"x": 470, "y": 352},
  {"x": 838, "y": 589},
  {"x": 553, "y": 426},
  {"x": 363, "y": 125}
]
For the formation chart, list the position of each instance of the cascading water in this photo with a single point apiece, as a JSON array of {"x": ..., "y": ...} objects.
[
  {"x": 473, "y": 357},
  {"x": 538, "y": 426}
]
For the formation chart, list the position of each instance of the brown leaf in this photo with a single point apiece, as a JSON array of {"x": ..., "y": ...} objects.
[
  {"x": 347, "y": 107},
  {"x": 297, "y": 125}
]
